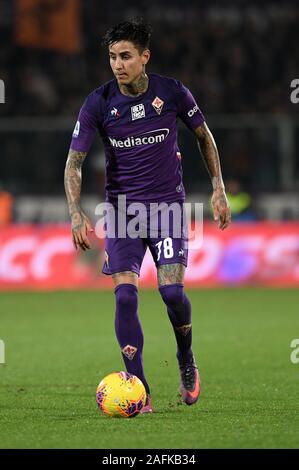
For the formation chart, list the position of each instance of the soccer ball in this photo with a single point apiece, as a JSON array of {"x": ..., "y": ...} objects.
[{"x": 121, "y": 395}]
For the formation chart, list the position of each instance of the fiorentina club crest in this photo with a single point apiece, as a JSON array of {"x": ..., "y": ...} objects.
[
  {"x": 158, "y": 104},
  {"x": 184, "y": 330},
  {"x": 129, "y": 351}
]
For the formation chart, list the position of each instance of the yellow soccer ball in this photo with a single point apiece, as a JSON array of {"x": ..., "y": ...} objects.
[{"x": 121, "y": 395}]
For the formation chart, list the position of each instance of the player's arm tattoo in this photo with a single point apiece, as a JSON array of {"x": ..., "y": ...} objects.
[
  {"x": 208, "y": 149},
  {"x": 73, "y": 179},
  {"x": 171, "y": 274},
  {"x": 210, "y": 155},
  {"x": 72, "y": 183}
]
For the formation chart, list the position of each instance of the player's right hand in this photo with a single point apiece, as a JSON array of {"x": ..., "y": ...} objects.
[{"x": 81, "y": 226}]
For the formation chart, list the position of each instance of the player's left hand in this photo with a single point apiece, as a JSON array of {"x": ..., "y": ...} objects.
[
  {"x": 81, "y": 227},
  {"x": 221, "y": 208}
]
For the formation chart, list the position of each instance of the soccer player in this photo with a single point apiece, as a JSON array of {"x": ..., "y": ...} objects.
[{"x": 136, "y": 115}]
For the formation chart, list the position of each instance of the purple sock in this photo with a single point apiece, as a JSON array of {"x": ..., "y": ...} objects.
[
  {"x": 128, "y": 330},
  {"x": 179, "y": 312}
]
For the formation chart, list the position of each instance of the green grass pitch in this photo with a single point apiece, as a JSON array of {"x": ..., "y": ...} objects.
[{"x": 60, "y": 345}]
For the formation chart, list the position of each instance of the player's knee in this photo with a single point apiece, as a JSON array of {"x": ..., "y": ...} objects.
[
  {"x": 172, "y": 294},
  {"x": 126, "y": 296}
]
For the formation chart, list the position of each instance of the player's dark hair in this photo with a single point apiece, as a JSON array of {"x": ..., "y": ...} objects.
[{"x": 136, "y": 31}]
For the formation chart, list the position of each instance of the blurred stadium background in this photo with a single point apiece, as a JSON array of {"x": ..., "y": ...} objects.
[{"x": 238, "y": 58}]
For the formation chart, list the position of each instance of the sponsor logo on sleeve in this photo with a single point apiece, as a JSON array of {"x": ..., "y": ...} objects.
[
  {"x": 193, "y": 111},
  {"x": 137, "y": 112},
  {"x": 158, "y": 105},
  {"x": 77, "y": 129}
]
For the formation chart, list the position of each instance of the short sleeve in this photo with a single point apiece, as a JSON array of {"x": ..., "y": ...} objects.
[
  {"x": 87, "y": 123},
  {"x": 188, "y": 109}
]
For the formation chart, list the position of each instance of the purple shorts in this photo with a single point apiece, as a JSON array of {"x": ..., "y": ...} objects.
[{"x": 166, "y": 237}]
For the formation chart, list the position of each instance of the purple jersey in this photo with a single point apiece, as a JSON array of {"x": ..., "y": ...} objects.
[{"x": 139, "y": 134}]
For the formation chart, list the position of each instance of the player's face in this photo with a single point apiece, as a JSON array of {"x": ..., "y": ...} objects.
[{"x": 127, "y": 62}]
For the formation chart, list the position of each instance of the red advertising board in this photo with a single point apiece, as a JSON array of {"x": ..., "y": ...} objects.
[{"x": 43, "y": 257}]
